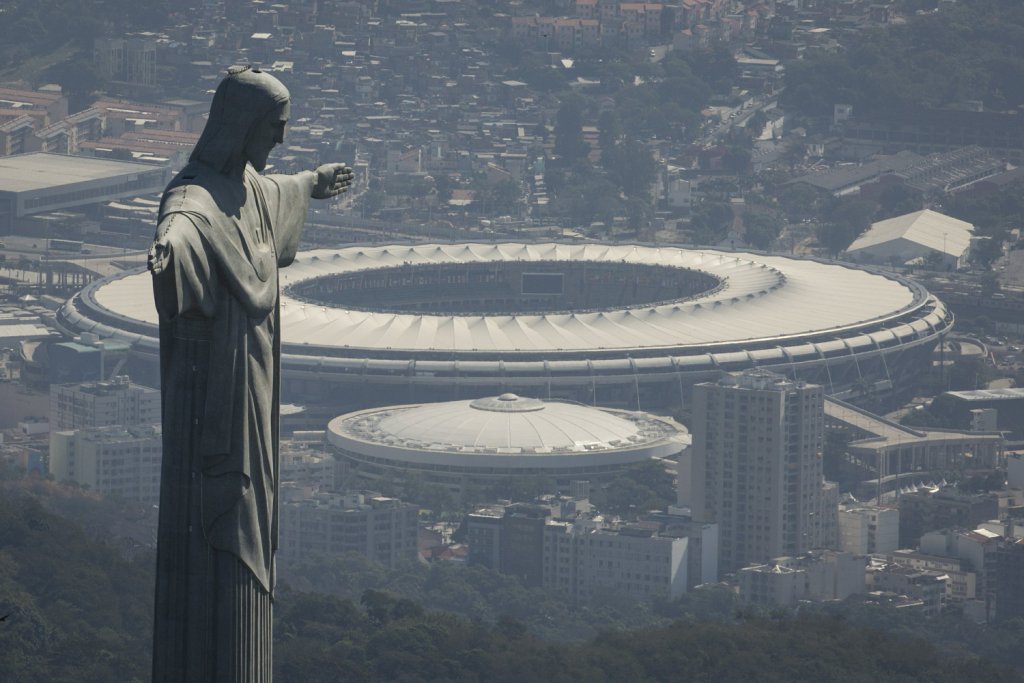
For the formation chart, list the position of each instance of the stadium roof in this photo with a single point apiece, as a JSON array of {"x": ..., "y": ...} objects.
[
  {"x": 509, "y": 421},
  {"x": 533, "y": 433},
  {"x": 927, "y": 228},
  {"x": 762, "y": 298}
]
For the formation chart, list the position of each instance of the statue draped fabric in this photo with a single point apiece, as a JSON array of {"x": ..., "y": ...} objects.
[{"x": 223, "y": 232}]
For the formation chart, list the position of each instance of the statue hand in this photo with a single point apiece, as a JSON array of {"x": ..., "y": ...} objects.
[
  {"x": 331, "y": 180},
  {"x": 159, "y": 256}
]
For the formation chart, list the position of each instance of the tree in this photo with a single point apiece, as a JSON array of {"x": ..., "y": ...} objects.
[
  {"x": 794, "y": 152},
  {"x": 638, "y": 215},
  {"x": 79, "y": 79},
  {"x": 935, "y": 260},
  {"x": 762, "y": 228},
  {"x": 524, "y": 487},
  {"x": 501, "y": 198},
  {"x": 835, "y": 237},
  {"x": 586, "y": 199},
  {"x": 373, "y": 201},
  {"x": 987, "y": 251},
  {"x": 631, "y": 166},
  {"x": 609, "y": 129},
  {"x": 737, "y": 159},
  {"x": 668, "y": 21},
  {"x": 710, "y": 222},
  {"x": 25, "y": 264},
  {"x": 756, "y": 123},
  {"x": 897, "y": 200},
  {"x": 539, "y": 74},
  {"x": 969, "y": 373},
  {"x": 443, "y": 185},
  {"x": 989, "y": 284},
  {"x": 436, "y": 499},
  {"x": 847, "y": 219},
  {"x": 932, "y": 60},
  {"x": 993, "y": 213},
  {"x": 716, "y": 66},
  {"x": 569, "y": 142},
  {"x": 799, "y": 201}
]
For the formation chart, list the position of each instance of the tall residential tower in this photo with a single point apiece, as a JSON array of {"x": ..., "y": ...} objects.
[{"x": 756, "y": 467}]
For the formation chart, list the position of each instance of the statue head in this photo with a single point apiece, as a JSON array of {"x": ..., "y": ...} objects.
[{"x": 247, "y": 119}]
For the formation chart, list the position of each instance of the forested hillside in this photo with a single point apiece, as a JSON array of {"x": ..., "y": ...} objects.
[
  {"x": 971, "y": 50},
  {"x": 79, "y": 613},
  {"x": 51, "y": 41}
]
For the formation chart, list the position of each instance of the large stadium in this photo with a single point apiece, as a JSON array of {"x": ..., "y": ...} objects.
[{"x": 614, "y": 325}]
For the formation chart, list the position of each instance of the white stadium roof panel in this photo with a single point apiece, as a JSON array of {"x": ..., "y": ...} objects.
[
  {"x": 761, "y": 297},
  {"x": 768, "y": 311}
]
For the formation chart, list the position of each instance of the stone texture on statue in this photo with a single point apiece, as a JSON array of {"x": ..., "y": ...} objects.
[{"x": 223, "y": 232}]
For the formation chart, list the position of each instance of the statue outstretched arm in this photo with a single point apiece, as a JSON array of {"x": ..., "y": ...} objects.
[{"x": 289, "y": 195}]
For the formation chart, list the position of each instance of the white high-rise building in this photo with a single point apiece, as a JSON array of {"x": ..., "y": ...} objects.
[
  {"x": 123, "y": 462},
  {"x": 756, "y": 468},
  {"x": 869, "y": 529},
  {"x": 103, "y": 404},
  {"x": 662, "y": 554},
  {"x": 383, "y": 529}
]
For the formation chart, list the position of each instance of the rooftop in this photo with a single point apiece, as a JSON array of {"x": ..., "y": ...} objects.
[
  {"x": 928, "y": 228},
  {"x": 41, "y": 171},
  {"x": 843, "y": 177},
  {"x": 507, "y": 424},
  {"x": 1005, "y": 394}
]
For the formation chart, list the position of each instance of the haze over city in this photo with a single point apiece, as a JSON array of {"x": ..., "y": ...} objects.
[{"x": 619, "y": 342}]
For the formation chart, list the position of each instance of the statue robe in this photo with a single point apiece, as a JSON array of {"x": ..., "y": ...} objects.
[{"x": 217, "y": 296}]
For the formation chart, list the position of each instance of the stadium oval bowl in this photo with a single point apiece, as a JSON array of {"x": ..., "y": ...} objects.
[{"x": 631, "y": 325}]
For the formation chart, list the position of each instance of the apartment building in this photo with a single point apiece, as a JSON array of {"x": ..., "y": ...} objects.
[{"x": 756, "y": 467}]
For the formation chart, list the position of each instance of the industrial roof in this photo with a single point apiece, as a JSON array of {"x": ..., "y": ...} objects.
[
  {"x": 761, "y": 298},
  {"x": 10, "y": 334},
  {"x": 849, "y": 176},
  {"x": 1003, "y": 394},
  {"x": 928, "y": 228},
  {"x": 41, "y": 171}
]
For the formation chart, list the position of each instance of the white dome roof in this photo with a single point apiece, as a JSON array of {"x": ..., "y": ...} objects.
[
  {"x": 510, "y": 421},
  {"x": 505, "y": 434}
]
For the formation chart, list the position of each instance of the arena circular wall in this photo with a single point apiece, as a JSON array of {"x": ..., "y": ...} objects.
[
  {"x": 487, "y": 441},
  {"x": 625, "y": 325}
]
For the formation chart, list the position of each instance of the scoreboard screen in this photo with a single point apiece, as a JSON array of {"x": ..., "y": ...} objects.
[{"x": 543, "y": 283}]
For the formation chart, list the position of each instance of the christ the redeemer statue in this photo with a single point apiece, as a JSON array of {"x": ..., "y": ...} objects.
[{"x": 223, "y": 232}]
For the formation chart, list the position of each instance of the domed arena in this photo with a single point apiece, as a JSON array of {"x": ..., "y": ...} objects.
[
  {"x": 615, "y": 325},
  {"x": 488, "y": 440}
]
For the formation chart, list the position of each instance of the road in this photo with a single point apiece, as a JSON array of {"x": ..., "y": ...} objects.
[{"x": 738, "y": 115}]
